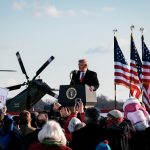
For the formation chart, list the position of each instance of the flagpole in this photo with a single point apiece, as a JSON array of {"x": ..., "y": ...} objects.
[
  {"x": 142, "y": 39},
  {"x": 115, "y": 31},
  {"x": 146, "y": 84},
  {"x": 131, "y": 27},
  {"x": 135, "y": 70}
]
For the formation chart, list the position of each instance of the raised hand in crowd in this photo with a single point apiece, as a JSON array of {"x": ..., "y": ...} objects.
[{"x": 65, "y": 112}]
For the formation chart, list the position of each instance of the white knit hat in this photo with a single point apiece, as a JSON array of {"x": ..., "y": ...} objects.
[
  {"x": 115, "y": 113},
  {"x": 72, "y": 123}
]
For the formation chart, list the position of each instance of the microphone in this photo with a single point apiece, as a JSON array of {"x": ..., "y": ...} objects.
[{"x": 74, "y": 72}]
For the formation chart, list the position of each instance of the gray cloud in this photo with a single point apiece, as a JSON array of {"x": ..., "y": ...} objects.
[
  {"x": 97, "y": 50},
  {"x": 7, "y": 49},
  {"x": 41, "y": 8},
  {"x": 108, "y": 9},
  {"x": 52, "y": 11},
  {"x": 19, "y": 5},
  {"x": 89, "y": 13}
]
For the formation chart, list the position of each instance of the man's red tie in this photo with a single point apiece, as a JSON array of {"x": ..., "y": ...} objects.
[{"x": 82, "y": 76}]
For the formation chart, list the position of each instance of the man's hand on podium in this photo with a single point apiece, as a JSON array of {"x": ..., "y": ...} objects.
[{"x": 91, "y": 88}]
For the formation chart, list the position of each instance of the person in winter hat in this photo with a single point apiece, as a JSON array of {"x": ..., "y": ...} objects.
[
  {"x": 103, "y": 146},
  {"x": 114, "y": 116},
  {"x": 72, "y": 123},
  {"x": 10, "y": 136},
  {"x": 136, "y": 113},
  {"x": 51, "y": 137}
]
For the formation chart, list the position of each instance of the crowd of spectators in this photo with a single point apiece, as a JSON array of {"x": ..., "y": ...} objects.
[{"x": 76, "y": 128}]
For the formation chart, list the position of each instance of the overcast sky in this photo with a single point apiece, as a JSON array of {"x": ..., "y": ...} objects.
[{"x": 69, "y": 30}]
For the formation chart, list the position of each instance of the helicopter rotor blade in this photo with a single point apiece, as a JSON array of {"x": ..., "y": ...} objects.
[
  {"x": 8, "y": 70},
  {"x": 15, "y": 87},
  {"x": 45, "y": 88},
  {"x": 44, "y": 66},
  {"x": 21, "y": 65},
  {"x": 51, "y": 93},
  {"x": 54, "y": 89}
]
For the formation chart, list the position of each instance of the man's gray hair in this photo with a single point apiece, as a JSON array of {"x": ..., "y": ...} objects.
[{"x": 83, "y": 61}]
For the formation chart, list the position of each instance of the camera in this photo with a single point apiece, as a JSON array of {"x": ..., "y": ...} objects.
[{"x": 77, "y": 101}]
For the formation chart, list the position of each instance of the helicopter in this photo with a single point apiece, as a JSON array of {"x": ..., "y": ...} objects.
[{"x": 34, "y": 91}]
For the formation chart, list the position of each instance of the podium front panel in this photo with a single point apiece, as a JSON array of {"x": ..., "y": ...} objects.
[{"x": 68, "y": 94}]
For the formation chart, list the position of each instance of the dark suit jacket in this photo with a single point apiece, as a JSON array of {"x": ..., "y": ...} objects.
[
  {"x": 90, "y": 79},
  {"x": 88, "y": 137}
]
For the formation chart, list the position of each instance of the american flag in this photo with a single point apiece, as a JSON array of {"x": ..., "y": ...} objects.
[
  {"x": 135, "y": 71},
  {"x": 122, "y": 70},
  {"x": 146, "y": 73}
]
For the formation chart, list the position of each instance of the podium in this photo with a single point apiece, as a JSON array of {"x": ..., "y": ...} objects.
[{"x": 69, "y": 94}]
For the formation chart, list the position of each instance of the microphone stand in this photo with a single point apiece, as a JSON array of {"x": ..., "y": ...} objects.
[{"x": 72, "y": 81}]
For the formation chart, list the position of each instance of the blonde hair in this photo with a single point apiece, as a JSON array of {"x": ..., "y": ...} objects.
[{"x": 52, "y": 131}]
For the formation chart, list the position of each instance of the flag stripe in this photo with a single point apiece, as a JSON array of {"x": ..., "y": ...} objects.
[
  {"x": 123, "y": 68},
  {"x": 121, "y": 81},
  {"x": 123, "y": 75}
]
